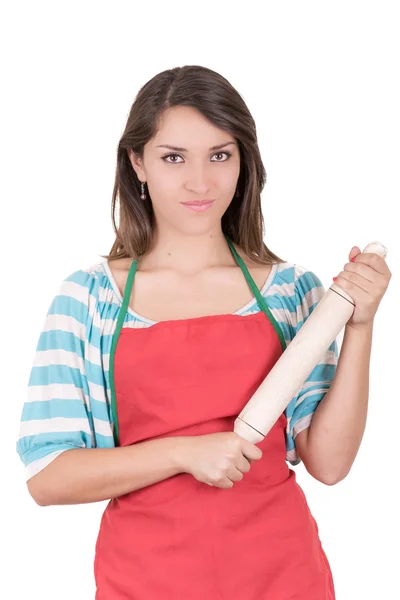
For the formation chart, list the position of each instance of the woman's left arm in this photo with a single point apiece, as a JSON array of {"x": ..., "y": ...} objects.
[{"x": 329, "y": 446}]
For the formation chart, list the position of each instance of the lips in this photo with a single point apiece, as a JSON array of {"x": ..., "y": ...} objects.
[
  {"x": 201, "y": 206},
  {"x": 198, "y": 202}
]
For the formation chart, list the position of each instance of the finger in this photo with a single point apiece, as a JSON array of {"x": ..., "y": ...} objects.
[
  {"x": 362, "y": 270},
  {"x": 243, "y": 465},
  {"x": 355, "y": 251},
  {"x": 376, "y": 262},
  {"x": 235, "y": 475},
  {"x": 352, "y": 282},
  {"x": 226, "y": 484}
]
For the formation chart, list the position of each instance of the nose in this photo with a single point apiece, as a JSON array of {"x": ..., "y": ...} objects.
[{"x": 199, "y": 180}]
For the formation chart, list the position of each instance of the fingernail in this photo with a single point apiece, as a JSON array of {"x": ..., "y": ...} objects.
[
  {"x": 334, "y": 278},
  {"x": 353, "y": 259}
]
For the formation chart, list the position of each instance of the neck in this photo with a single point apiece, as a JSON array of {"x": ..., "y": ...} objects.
[{"x": 188, "y": 254}]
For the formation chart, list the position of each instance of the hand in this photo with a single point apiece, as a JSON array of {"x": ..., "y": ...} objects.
[
  {"x": 365, "y": 278},
  {"x": 218, "y": 459}
]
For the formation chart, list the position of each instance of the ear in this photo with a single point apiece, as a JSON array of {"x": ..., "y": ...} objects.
[{"x": 137, "y": 165}]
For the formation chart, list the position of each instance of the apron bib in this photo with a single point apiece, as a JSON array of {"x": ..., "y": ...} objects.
[{"x": 180, "y": 539}]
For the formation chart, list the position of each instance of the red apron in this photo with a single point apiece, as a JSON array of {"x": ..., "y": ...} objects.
[{"x": 181, "y": 539}]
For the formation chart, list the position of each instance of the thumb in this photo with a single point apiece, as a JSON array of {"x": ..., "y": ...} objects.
[{"x": 355, "y": 251}]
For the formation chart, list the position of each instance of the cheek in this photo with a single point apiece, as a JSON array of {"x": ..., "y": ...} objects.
[
  {"x": 232, "y": 175},
  {"x": 224, "y": 180},
  {"x": 164, "y": 183},
  {"x": 164, "y": 196}
]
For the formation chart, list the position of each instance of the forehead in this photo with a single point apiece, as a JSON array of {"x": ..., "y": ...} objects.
[{"x": 186, "y": 127}]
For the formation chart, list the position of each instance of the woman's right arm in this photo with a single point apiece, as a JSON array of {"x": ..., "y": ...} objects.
[
  {"x": 82, "y": 475},
  {"x": 66, "y": 440}
]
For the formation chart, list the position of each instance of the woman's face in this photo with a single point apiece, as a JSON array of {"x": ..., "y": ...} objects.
[{"x": 195, "y": 172}]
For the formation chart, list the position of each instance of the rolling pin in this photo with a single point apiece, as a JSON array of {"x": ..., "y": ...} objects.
[{"x": 303, "y": 353}]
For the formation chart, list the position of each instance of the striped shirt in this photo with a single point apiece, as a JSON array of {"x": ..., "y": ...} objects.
[{"x": 68, "y": 403}]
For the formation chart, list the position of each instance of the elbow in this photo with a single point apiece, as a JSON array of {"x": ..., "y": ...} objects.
[
  {"x": 39, "y": 500},
  {"x": 38, "y": 492},
  {"x": 327, "y": 477},
  {"x": 46, "y": 487},
  {"x": 331, "y": 478}
]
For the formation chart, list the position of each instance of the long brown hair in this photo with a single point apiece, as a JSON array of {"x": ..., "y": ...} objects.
[{"x": 214, "y": 97}]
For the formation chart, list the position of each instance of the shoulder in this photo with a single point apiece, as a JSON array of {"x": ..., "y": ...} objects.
[
  {"x": 117, "y": 272},
  {"x": 87, "y": 277},
  {"x": 79, "y": 291},
  {"x": 308, "y": 290},
  {"x": 294, "y": 282},
  {"x": 292, "y": 293}
]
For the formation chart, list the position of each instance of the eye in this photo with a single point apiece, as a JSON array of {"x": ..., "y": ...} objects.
[
  {"x": 168, "y": 156},
  {"x": 228, "y": 154},
  {"x": 164, "y": 158}
]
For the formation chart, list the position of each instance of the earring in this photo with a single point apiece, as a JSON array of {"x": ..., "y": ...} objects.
[{"x": 143, "y": 195}]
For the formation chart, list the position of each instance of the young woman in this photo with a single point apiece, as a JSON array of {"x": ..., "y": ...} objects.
[{"x": 146, "y": 359}]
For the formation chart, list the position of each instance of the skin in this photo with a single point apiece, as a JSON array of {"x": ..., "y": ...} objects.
[
  {"x": 190, "y": 263},
  {"x": 190, "y": 256},
  {"x": 330, "y": 445},
  {"x": 188, "y": 240},
  {"x": 191, "y": 246}
]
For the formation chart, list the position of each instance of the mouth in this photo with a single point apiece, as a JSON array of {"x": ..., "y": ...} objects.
[
  {"x": 199, "y": 205},
  {"x": 197, "y": 202}
]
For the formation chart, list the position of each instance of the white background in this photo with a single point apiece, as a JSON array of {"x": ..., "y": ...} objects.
[{"x": 322, "y": 82}]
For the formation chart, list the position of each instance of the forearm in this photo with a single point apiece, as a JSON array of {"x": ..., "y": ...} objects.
[
  {"x": 83, "y": 475},
  {"x": 339, "y": 421}
]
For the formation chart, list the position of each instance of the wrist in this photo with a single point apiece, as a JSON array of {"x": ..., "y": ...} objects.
[
  {"x": 361, "y": 328},
  {"x": 179, "y": 453}
]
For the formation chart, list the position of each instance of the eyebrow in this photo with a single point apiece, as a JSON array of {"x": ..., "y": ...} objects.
[{"x": 218, "y": 147}]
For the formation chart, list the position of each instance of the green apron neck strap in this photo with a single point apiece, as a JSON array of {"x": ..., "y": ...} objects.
[{"x": 260, "y": 299}]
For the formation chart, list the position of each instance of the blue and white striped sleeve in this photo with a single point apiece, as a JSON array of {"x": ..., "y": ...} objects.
[
  {"x": 308, "y": 291},
  {"x": 56, "y": 414}
]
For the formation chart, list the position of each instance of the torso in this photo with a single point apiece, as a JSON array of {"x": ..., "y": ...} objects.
[
  {"x": 167, "y": 295},
  {"x": 180, "y": 538}
]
